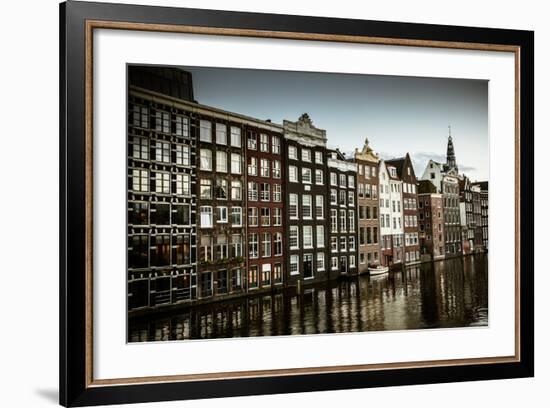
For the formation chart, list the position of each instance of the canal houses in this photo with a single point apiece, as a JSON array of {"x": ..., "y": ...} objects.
[
  {"x": 343, "y": 214},
  {"x": 391, "y": 215},
  {"x": 467, "y": 221},
  {"x": 484, "y": 199},
  {"x": 430, "y": 222},
  {"x": 368, "y": 207},
  {"x": 162, "y": 208},
  {"x": 405, "y": 172},
  {"x": 265, "y": 195},
  {"x": 305, "y": 208}
]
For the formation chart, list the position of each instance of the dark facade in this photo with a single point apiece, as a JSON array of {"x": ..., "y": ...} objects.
[
  {"x": 265, "y": 212},
  {"x": 342, "y": 192},
  {"x": 430, "y": 222},
  {"x": 173, "y": 82},
  {"x": 405, "y": 172},
  {"x": 451, "y": 215},
  {"x": 162, "y": 233},
  {"x": 305, "y": 186},
  {"x": 368, "y": 207},
  {"x": 484, "y": 198}
]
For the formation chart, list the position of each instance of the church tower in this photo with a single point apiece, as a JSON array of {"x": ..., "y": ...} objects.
[{"x": 451, "y": 159}]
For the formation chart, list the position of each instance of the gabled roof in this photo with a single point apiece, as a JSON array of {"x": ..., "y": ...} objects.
[{"x": 399, "y": 163}]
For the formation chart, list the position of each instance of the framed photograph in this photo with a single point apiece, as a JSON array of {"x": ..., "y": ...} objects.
[{"x": 256, "y": 204}]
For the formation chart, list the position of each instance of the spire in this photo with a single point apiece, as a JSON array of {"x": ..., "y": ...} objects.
[{"x": 451, "y": 160}]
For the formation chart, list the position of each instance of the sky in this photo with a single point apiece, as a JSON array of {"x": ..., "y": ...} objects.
[{"x": 397, "y": 114}]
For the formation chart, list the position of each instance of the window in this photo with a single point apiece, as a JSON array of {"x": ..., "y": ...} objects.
[
  {"x": 293, "y": 238},
  {"x": 140, "y": 116},
  {"x": 319, "y": 157},
  {"x": 253, "y": 277},
  {"x": 221, "y": 247},
  {"x": 333, "y": 196},
  {"x": 351, "y": 220},
  {"x": 352, "y": 261},
  {"x": 181, "y": 249},
  {"x": 264, "y": 167},
  {"x": 374, "y": 191},
  {"x": 375, "y": 234},
  {"x": 206, "y": 249},
  {"x": 236, "y": 190},
  {"x": 277, "y": 244},
  {"x": 343, "y": 220},
  {"x": 206, "y": 217},
  {"x": 277, "y": 217},
  {"x": 333, "y": 179},
  {"x": 320, "y": 261},
  {"x": 252, "y": 191},
  {"x": 236, "y": 216},
  {"x": 342, "y": 197},
  {"x": 160, "y": 213},
  {"x": 343, "y": 244},
  {"x": 221, "y": 134},
  {"x": 334, "y": 220},
  {"x": 334, "y": 262},
  {"x": 140, "y": 180},
  {"x": 162, "y": 182},
  {"x": 264, "y": 192},
  {"x": 206, "y": 159},
  {"x": 221, "y": 161},
  {"x": 333, "y": 244},
  {"x": 252, "y": 141},
  {"x": 294, "y": 259},
  {"x": 138, "y": 213},
  {"x": 319, "y": 177},
  {"x": 308, "y": 236},
  {"x": 351, "y": 182},
  {"x": 138, "y": 251},
  {"x": 265, "y": 217},
  {"x": 236, "y": 245},
  {"x": 351, "y": 198},
  {"x": 306, "y": 206},
  {"x": 235, "y": 136},
  {"x": 277, "y": 197},
  {"x": 292, "y": 152},
  {"x": 221, "y": 214},
  {"x": 362, "y": 235},
  {"x": 253, "y": 245},
  {"x": 306, "y": 175},
  {"x": 236, "y": 163},
  {"x": 306, "y": 155},
  {"x": 275, "y": 145},
  {"x": 277, "y": 273},
  {"x": 351, "y": 243},
  {"x": 140, "y": 148},
  {"x": 266, "y": 245},
  {"x": 221, "y": 189},
  {"x": 253, "y": 217},
  {"x": 183, "y": 155},
  {"x": 320, "y": 236},
  {"x": 162, "y": 152},
  {"x": 293, "y": 174},
  {"x": 183, "y": 184},
  {"x": 160, "y": 251},
  {"x": 343, "y": 180},
  {"x": 264, "y": 142},
  {"x": 205, "y": 131},
  {"x": 182, "y": 126},
  {"x": 253, "y": 166},
  {"x": 162, "y": 122},
  {"x": 276, "y": 169},
  {"x": 319, "y": 207},
  {"x": 293, "y": 205},
  {"x": 205, "y": 188},
  {"x": 266, "y": 274}
]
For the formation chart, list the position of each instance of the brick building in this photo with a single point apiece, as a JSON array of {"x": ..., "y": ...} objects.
[{"x": 430, "y": 222}]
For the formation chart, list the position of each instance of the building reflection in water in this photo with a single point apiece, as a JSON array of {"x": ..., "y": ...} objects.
[{"x": 450, "y": 293}]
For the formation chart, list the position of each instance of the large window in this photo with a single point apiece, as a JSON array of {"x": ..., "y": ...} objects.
[
  {"x": 140, "y": 180},
  {"x": 138, "y": 213},
  {"x": 252, "y": 166},
  {"x": 351, "y": 220},
  {"x": 206, "y": 249},
  {"x": 277, "y": 273},
  {"x": 266, "y": 274},
  {"x": 320, "y": 261},
  {"x": 236, "y": 190},
  {"x": 206, "y": 216},
  {"x": 221, "y": 134},
  {"x": 140, "y": 148},
  {"x": 277, "y": 198},
  {"x": 205, "y": 189},
  {"x": 319, "y": 157},
  {"x": 319, "y": 207},
  {"x": 221, "y": 214},
  {"x": 183, "y": 155},
  {"x": 277, "y": 217},
  {"x": 138, "y": 251},
  {"x": 264, "y": 142},
  {"x": 266, "y": 245},
  {"x": 206, "y": 159},
  {"x": 306, "y": 175},
  {"x": 140, "y": 116},
  {"x": 162, "y": 121},
  {"x": 162, "y": 152},
  {"x": 292, "y": 152},
  {"x": 293, "y": 174},
  {"x": 275, "y": 145},
  {"x": 343, "y": 220},
  {"x": 306, "y": 155},
  {"x": 253, "y": 245},
  {"x": 236, "y": 166},
  {"x": 221, "y": 189},
  {"x": 294, "y": 268},
  {"x": 182, "y": 126},
  {"x": 160, "y": 214},
  {"x": 320, "y": 236},
  {"x": 252, "y": 217},
  {"x": 160, "y": 252},
  {"x": 318, "y": 176},
  {"x": 181, "y": 249},
  {"x": 235, "y": 136},
  {"x": 236, "y": 245},
  {"x": 181, "y": 214},
  {"x": 334, "y": 220},
  {"x": 264, "y": 192},
  {"x": 205, "y": 131},
  {"x": 264, "y": 167},
  {"x": 293, "y": 206},
  {"x": 253, "y": 276},
  {"x": 236, "y": 216},
  {"x": 221, "y": 247},
  {"x": 308, "y": 236},
  {"x": 183, "y": 184},
  {"x": 252, "y": 141},
  {"x": 293, "y": 238},
  {"x": 306, "y": 206},
  {"x": 265, "y": 217},
  {"x": 277, "y": 244},
  {"x": 162, "y": 182},
  {"x": 276, "y": 169},
  {"x": 221, "y": 161},
  {"x": 252, "y": 191}
]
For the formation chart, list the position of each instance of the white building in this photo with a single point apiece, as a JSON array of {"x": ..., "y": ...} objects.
[{"x": 391, "y": 215}]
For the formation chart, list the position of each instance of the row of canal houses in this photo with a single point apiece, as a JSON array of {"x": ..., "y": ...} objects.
[{"x": 221, "y": 205}]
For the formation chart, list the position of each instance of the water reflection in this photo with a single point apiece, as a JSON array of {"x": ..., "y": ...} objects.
[{"x": 450, "y": 293}]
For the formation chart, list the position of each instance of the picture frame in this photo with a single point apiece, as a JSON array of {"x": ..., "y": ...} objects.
[{"x": 79, "y": 21}]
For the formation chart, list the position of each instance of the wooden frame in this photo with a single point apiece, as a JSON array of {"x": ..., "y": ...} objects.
[{"x": 77, "y": 22}]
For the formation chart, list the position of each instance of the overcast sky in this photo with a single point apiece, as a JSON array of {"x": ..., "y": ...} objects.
[{"x": 397, "y": 114}]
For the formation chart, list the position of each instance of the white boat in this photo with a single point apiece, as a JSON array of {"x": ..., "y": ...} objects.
[{"x": 378, "y": 270}]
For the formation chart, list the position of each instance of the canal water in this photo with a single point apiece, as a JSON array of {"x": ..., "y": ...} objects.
[{"x": 450, "y": 293}]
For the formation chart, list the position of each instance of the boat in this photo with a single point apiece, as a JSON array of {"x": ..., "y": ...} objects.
[{"x": 378, "y": 270}]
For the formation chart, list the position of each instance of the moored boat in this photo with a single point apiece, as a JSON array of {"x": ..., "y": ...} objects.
[{"x": 377, "y": 270}]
